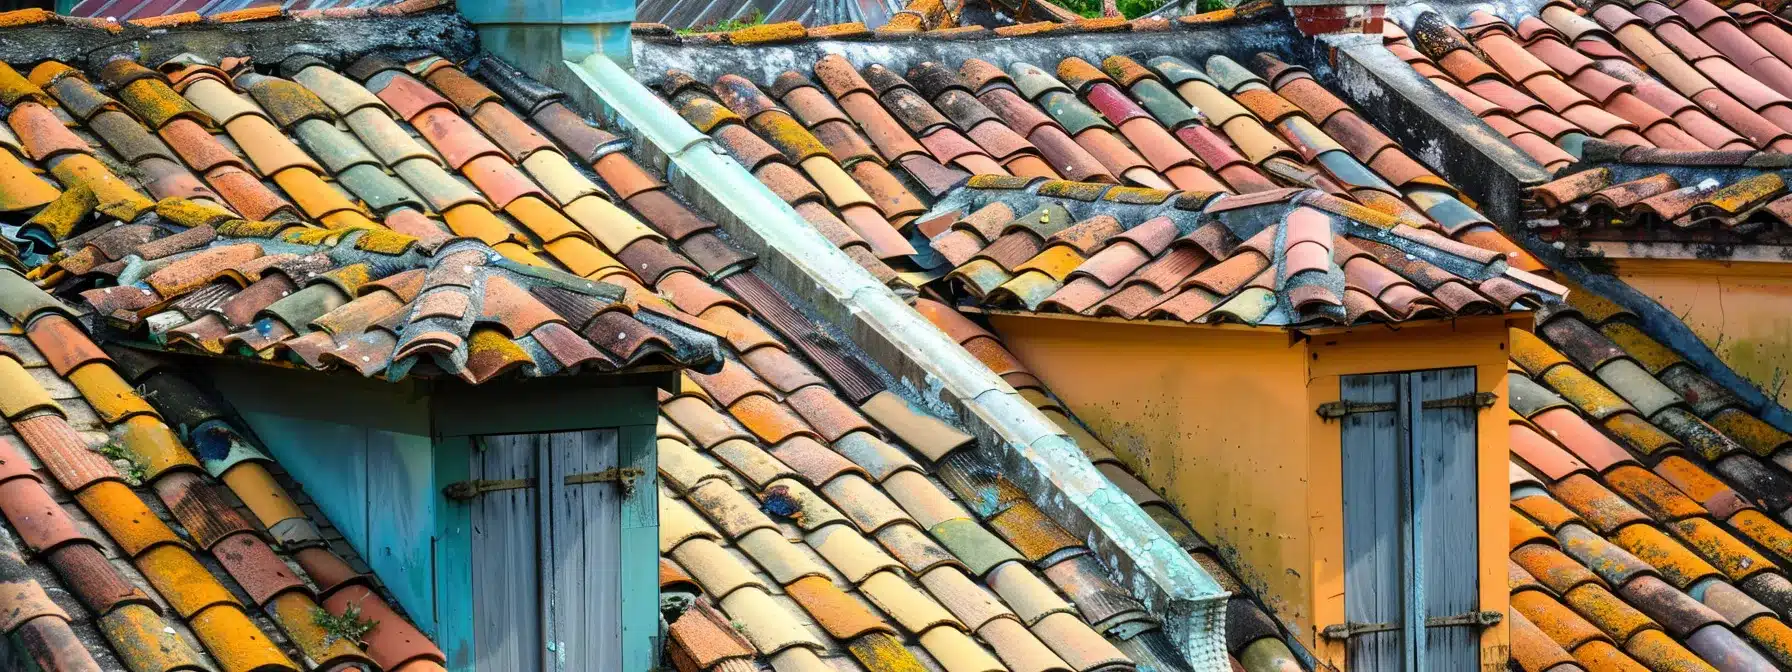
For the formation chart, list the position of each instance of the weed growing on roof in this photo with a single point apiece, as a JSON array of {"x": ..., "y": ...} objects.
[
  {"x": 1133, "y": 9},
  {"x": 727, "y": 25},
  {"x": 349, "y": 627},
  {"x": 129, "y": 465}
]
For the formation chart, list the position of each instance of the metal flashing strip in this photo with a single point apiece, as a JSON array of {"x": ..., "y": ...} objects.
[{"x": 1035, "y": 453}]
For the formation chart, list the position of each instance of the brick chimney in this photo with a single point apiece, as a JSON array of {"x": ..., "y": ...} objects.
[{"x": 1323, "y": 17}]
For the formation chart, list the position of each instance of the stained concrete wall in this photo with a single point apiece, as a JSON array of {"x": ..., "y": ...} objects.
[{"x": 1738, "y": 309}]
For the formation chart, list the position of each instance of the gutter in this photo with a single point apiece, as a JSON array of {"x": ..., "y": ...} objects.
[{"x": 1034, "y": 452}]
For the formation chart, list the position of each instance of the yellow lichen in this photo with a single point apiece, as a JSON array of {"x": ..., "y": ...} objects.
[
  {"x": 1753, "y": 433},
  {"x": 1532, "y": 353},
  {"x": 188, "y": 212},
  {"x": 1648, "y": 352},
  {"x": 769, "y": 33},
  {"x": 60, "y": 217},
  {"x": 384, "y": 241}
]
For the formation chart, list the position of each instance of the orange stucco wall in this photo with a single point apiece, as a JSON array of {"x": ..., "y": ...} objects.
[
  {"x": 1737, "y": 308},
  {"x": 1221, "y": 421}
]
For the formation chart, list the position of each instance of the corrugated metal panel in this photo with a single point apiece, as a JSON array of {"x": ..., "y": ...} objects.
[
  {"x": 506, "y": 579},
  {"x": 1374, "y": 521},
  {"x": 1445, "y": 469}
]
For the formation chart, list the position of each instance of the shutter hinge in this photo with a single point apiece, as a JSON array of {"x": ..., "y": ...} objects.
[
  {"x": 624, "y": 476},
  {"x": 464, "y": 490},
  {"x": 1333, "y": 410},
  {"x": 1472, "y": 400},
  {"x": 1478, "y": 619},
  {"x": 1352, "y": 628}
]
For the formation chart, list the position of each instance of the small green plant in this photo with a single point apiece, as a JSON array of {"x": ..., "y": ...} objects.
[
  {"x": 129, "y": 465},
  {"x": 727, "y": 25},
  {"x": 349, "y": 627},
  {"x": 739, "y": 626},
  {"x": 1130, "y": 9}
]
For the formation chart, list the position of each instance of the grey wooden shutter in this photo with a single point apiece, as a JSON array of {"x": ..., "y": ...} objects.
[
  {"x": 506, "y": 556},
  {"x": 1448, "y": 538},
  {"x": 546, "y": 564},
  {"x": 1375, "y": 536},
  {"x": 584, "y": 582},
  {"x": 1411, "y": 577}
]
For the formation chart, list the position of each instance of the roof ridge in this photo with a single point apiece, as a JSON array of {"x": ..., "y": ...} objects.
[
  {"x": 31, "y": 17},
  {"x": 795, "y": 32}
]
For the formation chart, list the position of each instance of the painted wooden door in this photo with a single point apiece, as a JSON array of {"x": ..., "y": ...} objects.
[
  {"x": 1411, "y": 578},
  {"x": 547, "y": 591}
]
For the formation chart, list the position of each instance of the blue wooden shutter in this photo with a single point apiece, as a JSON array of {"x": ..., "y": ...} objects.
[
  {"x": 1410, "y": 520},
  {"x": 1448, "y": 535},
  {"x": 1375, "y": 534}
]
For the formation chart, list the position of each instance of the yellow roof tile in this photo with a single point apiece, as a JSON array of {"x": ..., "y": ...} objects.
[
  {"x": 1731, "y": 556},
  {"x": 1640, "y": 434},
  {"x": 294, "y": 611},
  {"x": 1018, "y": 647},
  {"x": 734, "y": 513},
  {"x": 683, "y": 467},
  {"x": 921, "y": 431},
  {"x": 123, "y": 516},
  {"x": 145, "y": 642},
  {"x": 1645, "y": 350},
  {"x": 1584, "y": 392},
  {"x": 768, "y": 625},
  {"x": 908, "y": 605},
  {"x": 20, "y": 393},
  {"x": 1532, "y": 353},
  {"x": 20, "y": 189},
  {"x": 1560, "y": 623},
  {"x": 1610, "y": 613},
  {"x": 1076, "y": 642},
  {"x": 1764, "y": 530},
  {"x": 957, "y": 652},
  {"x": 1658, "y": 650},
  {"x": 784, "y": 560},
  {"x": 717, "y": 570},
  {"x": 679, "y": 523},
  {"x": 1678, "y": 565},
  {"x": 235, "y": 642},
  {"x": 1774, "y": 638},
  {"x": 1030, "y": 596},
  {"x": 974, "y": 605},
  {"x": 270, "y": 503},
  {"x": 797, "y": 502},
  {"x": 613, "y": 227},
  {"x": 181, "y": 580},
  {"x": 850, "y": 553},
  {"x": 1753, "y": 433},
  {"x": 749, "y": 460},
  {"x": 1522, "y": 531},
  {"x": 836, "y": 612},
  {"x": 111, "y": 397}
]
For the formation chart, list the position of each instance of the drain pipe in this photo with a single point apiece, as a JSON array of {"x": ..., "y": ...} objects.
[{"x": 1034, "y": 452}]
